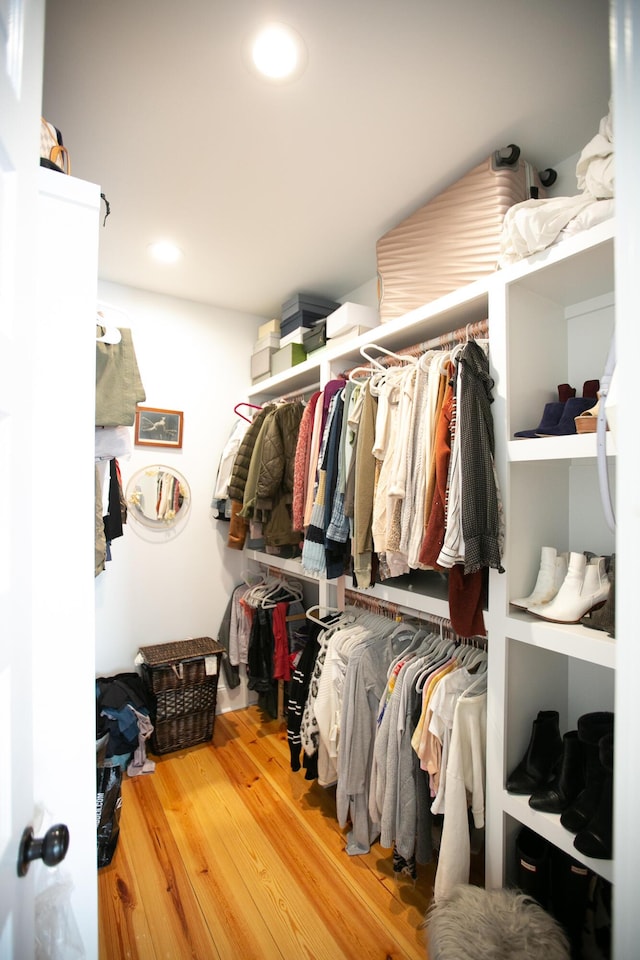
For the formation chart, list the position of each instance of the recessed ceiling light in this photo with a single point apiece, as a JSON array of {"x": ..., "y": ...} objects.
[
  {"x": 165, "y": 251},
  {"x": 277, "y": 52}
]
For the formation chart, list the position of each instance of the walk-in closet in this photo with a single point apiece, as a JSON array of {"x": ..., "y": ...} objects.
[{"x": 315, "y": 593}]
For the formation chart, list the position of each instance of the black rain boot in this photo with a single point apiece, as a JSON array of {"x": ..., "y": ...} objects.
[
  {"x": 567, "y": 779},
  {"x": 596, "y": 839},
  {"x": 569, "y": 897},
  {"x": 533, "y": 865},
  {"x": 592, "y": 727},
  {"x": 545, "y": 746}
]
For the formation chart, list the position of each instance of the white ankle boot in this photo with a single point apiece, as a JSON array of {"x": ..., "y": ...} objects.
[
  {"x": 585, "y": 586},
  {"x": 553, "y": 570}
]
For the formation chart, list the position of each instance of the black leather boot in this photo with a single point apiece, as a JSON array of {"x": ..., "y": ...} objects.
[
  {"x": 533, "y": 865},
  {"x": 545, "y": 747},
  {"x": 604, "y": 618},
  {"x": 569, "y": 896},
  {"x": 596, "y": 840},
  {"x": 592, "y": 727},
  {"x": 567, "y": 778}
]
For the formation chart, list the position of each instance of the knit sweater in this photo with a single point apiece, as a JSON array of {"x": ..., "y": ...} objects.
[{"x": 301, "y": 463}]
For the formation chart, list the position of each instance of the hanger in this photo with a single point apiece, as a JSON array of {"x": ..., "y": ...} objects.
[
  {"x": 363, "y": 370},
  {"x": 292, "y": 587},
  {"x": 253, "y": 406},
  {"x": 111, "y": 334},
  {"x": 112, "y": 331},
  {"x": 323, "y": 623},
  {"x": 402, "y": 357}
]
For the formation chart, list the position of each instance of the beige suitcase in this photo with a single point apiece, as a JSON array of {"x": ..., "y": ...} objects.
[{"x": 455, "y": 238}]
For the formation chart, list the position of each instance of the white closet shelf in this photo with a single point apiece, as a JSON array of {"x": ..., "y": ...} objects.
[
  {"x": 468, "y": 305},
  {"x": 570, "y": 639},
  {"x": 428, "y": 597},
  {"x": 293, "y": 567},
  {"x": 579, "y": 446},
  {"x": 573, "y": 271},
  {"x": 548, "y": 825}
]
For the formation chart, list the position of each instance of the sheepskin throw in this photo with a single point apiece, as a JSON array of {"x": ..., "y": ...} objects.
[{"x": 477, "y": 924}]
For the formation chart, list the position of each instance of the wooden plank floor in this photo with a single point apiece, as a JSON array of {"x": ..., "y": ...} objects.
[{"x": 226, "y": 854}]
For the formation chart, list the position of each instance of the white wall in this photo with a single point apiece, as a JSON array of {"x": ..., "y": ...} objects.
[{"x": 193, "y": 358}]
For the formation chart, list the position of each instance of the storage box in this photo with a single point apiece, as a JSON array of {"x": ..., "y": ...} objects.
[
  {"x": 309, "y": 305},
  {"x": 351, "y": 315},
  {"x": 183, "y": 680},
  {"x": 350, "y": 334},
  {"x": 315, "y": 337},
  {"x": 297, "y": 322},
  {"x": 271, "y": 340},
  {"x": 287, "y": 357},
  {"x": 271, "y": 326},
  {"x": 296, "y": 336},
  {"x": 261, "y": 363}
]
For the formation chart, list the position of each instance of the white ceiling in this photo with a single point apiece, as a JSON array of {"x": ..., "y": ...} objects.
[{"x": 276, "y": 189}]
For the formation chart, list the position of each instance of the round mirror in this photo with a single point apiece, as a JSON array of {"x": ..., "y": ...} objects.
[{"x": 158, "y": 497}]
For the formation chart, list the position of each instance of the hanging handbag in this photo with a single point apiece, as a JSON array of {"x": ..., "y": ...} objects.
[{"x": 53, "y": 153}]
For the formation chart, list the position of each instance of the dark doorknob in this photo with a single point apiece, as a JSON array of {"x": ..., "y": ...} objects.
[{"x": 52, "y": 848}]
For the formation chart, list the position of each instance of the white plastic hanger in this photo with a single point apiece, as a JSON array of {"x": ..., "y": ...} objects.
[
  {"x": 402, "y": 357},
  {"x": 111, "y": 333},
  {"x": 322, "y": 623}
]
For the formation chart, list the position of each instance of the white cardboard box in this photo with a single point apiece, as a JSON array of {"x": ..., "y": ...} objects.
[
  {"x": 271, "y": 326},
  {"x": 351, "y": 315},
  {"x": 261, "y": 363},
  {"x": 271, "y": 340},
  {"x": 296, "y": 336}
]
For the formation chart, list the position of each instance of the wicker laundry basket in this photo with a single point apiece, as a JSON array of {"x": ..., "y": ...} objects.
[{"x": 183, "y": 678}]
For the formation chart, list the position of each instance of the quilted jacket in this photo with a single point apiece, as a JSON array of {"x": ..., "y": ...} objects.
[
  {"x": 243, "y": 456},
  {"x": 274, "y": 485}
]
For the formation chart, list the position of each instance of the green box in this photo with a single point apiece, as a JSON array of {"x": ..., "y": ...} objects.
[{"x": 287, "y": 357}]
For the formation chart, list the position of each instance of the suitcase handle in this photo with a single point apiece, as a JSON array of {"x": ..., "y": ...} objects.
[
  {"x": 548, "y": 177},
  {"x": 502, "y": 158}
]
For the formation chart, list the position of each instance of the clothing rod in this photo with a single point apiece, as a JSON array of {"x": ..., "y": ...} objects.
[
  {"x": 303, "y": 395},
  {"x": 469, "y": 332},
  {"x": 384, "y": 608}
]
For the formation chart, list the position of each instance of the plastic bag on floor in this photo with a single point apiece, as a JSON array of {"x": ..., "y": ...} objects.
[{"x": 57, "y": 936}]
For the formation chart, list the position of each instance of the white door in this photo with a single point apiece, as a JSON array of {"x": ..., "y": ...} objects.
[
  {"x": 30, "y": 616},
  {"x": 21, "y": 34}
]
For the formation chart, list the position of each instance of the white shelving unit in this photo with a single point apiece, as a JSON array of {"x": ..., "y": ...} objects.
[
  {"x": 551, "y": 322},
  {"x": 551, "y": 319}
]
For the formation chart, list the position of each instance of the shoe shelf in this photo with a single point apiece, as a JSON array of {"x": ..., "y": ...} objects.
[
  {"x": 551, "y": 324},
  {"x": 577, "y": 447},
  {"x": 568, "y": 639},
  {"x": 548, "y": 825}
]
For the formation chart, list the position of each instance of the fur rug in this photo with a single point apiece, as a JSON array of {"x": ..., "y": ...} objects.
[{"x": 478, "y": 924}]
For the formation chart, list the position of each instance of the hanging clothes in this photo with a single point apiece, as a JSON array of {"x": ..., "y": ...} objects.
[
  {"x": 466, "y": 776},
  {"x": 118, "y": 383},
  {"x": 301, "y": 463}
]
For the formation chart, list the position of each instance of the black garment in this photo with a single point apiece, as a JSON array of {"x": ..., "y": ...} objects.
[
  {"x": 337, "y": 553},
  {"x": 260, "y": 652},
  {"x": 298, "y": 692},
  {"x": 114, "y": 519},
  {"x": 480, "y": 515}
]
